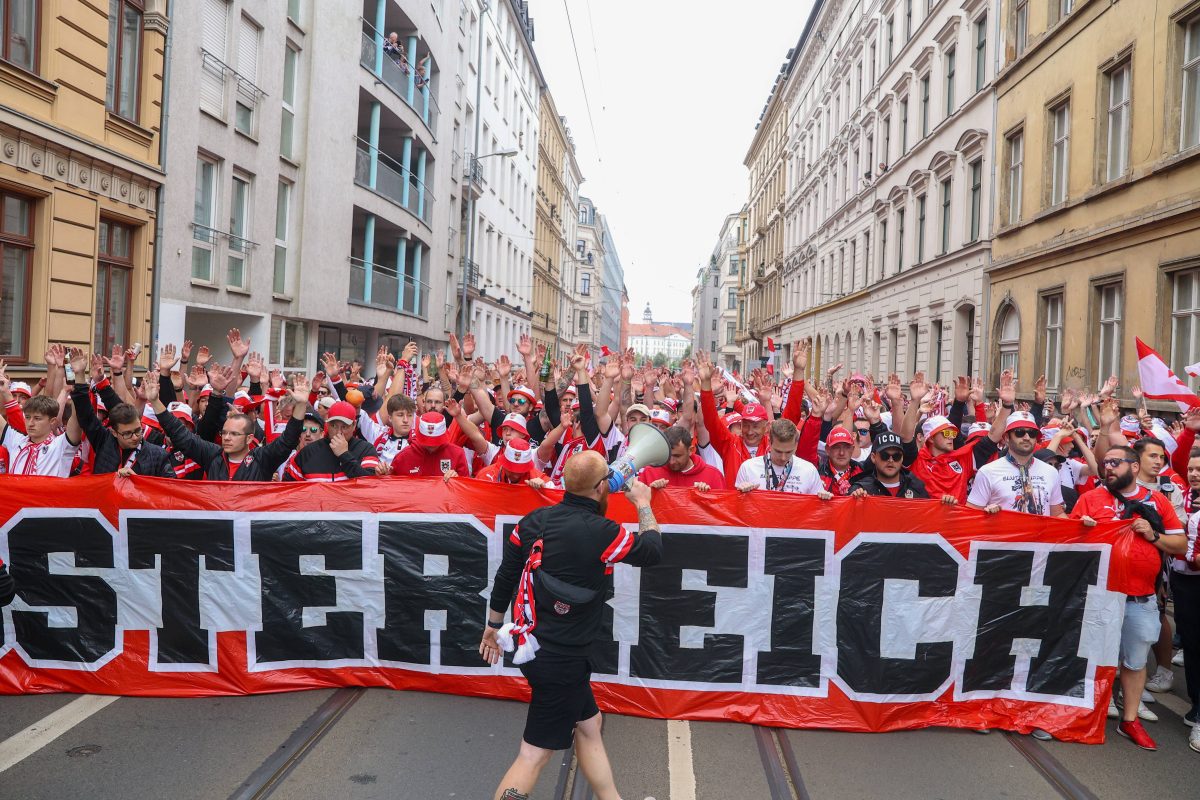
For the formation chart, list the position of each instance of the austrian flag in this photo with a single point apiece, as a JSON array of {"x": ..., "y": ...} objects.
[{"x": 1159, "y": 382}]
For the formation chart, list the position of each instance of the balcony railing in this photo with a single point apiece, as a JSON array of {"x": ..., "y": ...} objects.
[
  {"x": 389, "y": 290},
  {"x": 400, "y": 77},
  {"x": 470, "y": 272},
  {"x": 473, "y": 174},
  {"x": 393, "y": 181}
]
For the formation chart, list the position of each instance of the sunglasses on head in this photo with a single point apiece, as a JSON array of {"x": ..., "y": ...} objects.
[
  {"x": 890, "y": 455},
  {"x": 1030, "y": 432}
]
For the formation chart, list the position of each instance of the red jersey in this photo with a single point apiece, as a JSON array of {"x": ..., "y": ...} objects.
[
  {"x": 697, "y": 472},
  {"x": 948, "y": 473},
  {"x": 1145, "y": 560},
  {"x": 417, "y": 461}
]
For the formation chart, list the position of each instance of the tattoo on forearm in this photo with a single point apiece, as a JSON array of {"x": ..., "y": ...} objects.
[{"x": 646, "y": 520}]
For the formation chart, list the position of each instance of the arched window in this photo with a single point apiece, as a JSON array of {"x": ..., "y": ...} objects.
[
  {"x": 862, "y": 351},
  {"x": 836, "y": 355},
  {"x": 1008, "y": 337}
]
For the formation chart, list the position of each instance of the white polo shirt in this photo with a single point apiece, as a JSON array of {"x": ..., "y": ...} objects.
[{"x": 800, "y": 478}]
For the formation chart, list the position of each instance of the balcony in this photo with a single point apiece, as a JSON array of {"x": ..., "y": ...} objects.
[
  {"x": 382, "y": 174},
  {"x": 389, "y": 290},
  {"x": 473, "y": 181},
  {"x": 470, "y": 272},
  {"x": 395, "y": 72}
]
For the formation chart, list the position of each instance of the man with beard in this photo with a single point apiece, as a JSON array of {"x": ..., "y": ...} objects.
[
  {"x": 683, "y": 469},
  {"x": 889, "y": 478},
  {"x": 1156, "y": 530},
  {"x": 558, "y": 561},
  {"x": 1018, "y": 482}
]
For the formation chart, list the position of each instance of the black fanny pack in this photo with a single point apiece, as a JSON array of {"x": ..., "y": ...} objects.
[{"x": 555, "y": 596}]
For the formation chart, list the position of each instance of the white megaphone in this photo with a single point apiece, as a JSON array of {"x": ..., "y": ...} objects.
[{"x": 647, "y": 448}]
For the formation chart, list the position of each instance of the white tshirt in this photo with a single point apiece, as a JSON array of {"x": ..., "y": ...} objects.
[
  {"x": 801, "y": 479},
  {"x": 999, "y": 483},
  {"x": 711, "y": 456},
  {"x": 51, "y": 459}
]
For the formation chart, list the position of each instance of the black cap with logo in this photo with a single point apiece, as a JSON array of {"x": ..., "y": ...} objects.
[{"x": 886, "y": 441}]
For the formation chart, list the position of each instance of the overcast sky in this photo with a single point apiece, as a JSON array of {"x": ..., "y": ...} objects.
[{"x": 675, "y": 90}]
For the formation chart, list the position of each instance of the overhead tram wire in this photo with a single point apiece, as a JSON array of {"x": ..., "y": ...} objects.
[{"x": 582, "y": 84}]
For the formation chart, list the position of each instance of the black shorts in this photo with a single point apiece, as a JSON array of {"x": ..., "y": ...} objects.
[{"x": 562, "y": 696}]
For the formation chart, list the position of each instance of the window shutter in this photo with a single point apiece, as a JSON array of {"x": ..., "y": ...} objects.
[
  {"x": 247, "y": 62},
  {"x": 214, "y": 41}
]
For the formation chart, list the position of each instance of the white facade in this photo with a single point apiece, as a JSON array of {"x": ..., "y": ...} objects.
[
  {"x": 501, "y": 305},
  {"x": 582, "y": 278},
  {"x": 673, "y": 345},
  {"x": 706, "y": 311},
  {"x": 888, "y": 205},
  {"x": 729, "y": 268},
  {"x": 311, "y": 177}
]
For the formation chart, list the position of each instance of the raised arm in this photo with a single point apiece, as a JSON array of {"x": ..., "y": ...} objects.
[{"x": 1008, "y": 399}]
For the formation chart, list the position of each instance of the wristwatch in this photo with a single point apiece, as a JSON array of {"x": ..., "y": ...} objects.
[
  {"x": 1157, "y": 536},
  {"x": 495, "y": 625}
]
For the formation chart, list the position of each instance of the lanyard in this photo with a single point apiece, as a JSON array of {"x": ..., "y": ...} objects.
[{"x": 775, "y": 483}]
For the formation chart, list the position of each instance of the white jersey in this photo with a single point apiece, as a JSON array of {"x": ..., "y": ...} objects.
[
  {"x": 50, "y": 458},
  {"x": 711, "y": 457},
  {"x": 381, "y": 437},
  {"x": 1000, "y": 483},
  {"x": 800, "y": 477}
]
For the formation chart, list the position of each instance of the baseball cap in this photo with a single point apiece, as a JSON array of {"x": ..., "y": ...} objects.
[
  {"x": 517, "y": 456},
  {"x": 517, "y": 423},
  {"x": 21, "y": 387},
  {"x": 753, "y": 412},
  {"x": 206, "y": 391},
  {"x": 661, "y": 417},
  {"x": 1021, "y": 419},
  {"x": 431, "y": 430},
  {"x": 886, "y": 441},
  {"x": 342, "y": 411},
  {"x": 668, "y": 403},
  {"x": 839, "y": 435},
  {"x": 935, "y": 425},
  {"x": 731, "y": 419},
  {"x": 1047, "y": 455},
  {"x": 182, "y": 412},
  {"x": 326, "y": 402},
  {"x": 641, "y": 408}
]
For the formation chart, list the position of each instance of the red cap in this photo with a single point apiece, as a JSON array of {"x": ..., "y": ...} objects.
[
  {"x": 731, "y": 419},
  {"x": 753, "y": 412},
  {"x": 341, "y": 411},
  {"x": 431, "y": 430},
  {"x": 839, "y": 435}
]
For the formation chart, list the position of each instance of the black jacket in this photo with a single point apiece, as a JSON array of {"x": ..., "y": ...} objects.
[
  {"x": 259, "y": 464},
  {"x": 109, "y": 457},
  {"x": 911, "y": 487},
  {"x": 318, "y": 462},
  {"x": 578, "y": 547}
]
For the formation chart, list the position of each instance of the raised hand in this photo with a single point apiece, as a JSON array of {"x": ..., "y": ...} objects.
[
  {"x": 149, "y": 389},
  {"x": 254, "y": 367},
  {"x": 185, "y": 352},
  {"x": 167, "y": 358},
  {"x": 1110, "y": 412},
  {"x": 220, "y": 376},
  {"x": 237, "y": 345},
  {"x": 203, "y": 356},
  {"x": 800, "y": 351},
  {"x": 704, "y": 368},
  {"x": 870, "y": 410},
  {"x": 894, "y": 392},
  {"x": 504, "y": 366},
  {"x": 976, "y": 391},
  {"x": 333, "y": 368},
  {"x": 382, "y": 366},
  {"x": 918, "y": 389},
  {"x": 78, "y": 361},
  {"x": 1008, "y": 388},
  {"x": 300, "y": 388},
  {"x": 197, "y": 377},
  {"x": 276, "y": 379},
  {"x": 525, "y": 345},
  {"x": 453, "y": 407},
  {"x": 1191, "y": 419},
  {"x": 1039, "y": 389},
  {"x": 55, "y": 355},
  {"x": 612, "y": 368},
  {"x": 962, "y": 389},
  {"x": 1109, "y": 386},
  {"x": 1137, "y": 393},
  {"x": 97, "y": 367},
  {"x": 468, "y": 346}
]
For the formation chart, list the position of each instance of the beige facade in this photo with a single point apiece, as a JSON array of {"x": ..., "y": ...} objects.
[
  {"x": 557, "y": 212},
  {"x": 79, "y": 174},
  {"x": 1097, "y": 204}
]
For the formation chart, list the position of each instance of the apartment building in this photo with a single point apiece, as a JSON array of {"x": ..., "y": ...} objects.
[
  {"x": 80, "y": 174},
  {"x": 887, "y": 226},
  {"x": 557, "y": 218},
  {"x": 716, "y": 301},
  {"x": 612, "y": 290},
  {"x": 582, "y": 279},
  {"x": 706, "y": 310},
  {"x": 1098, "y": 215}
]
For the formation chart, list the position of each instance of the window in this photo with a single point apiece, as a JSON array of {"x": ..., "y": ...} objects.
[
  {"x": 214, "y": 46},
  {"x": 890, "y": 35},
  {"x": 921, "y": 229},
  {"x": 1020, "y": 26},
  {"x": 947, "y": 191},
  {"x": 1185, "y": 323},
  {"x": 114, "y": 278},
  {"x": 247, "y": 67},
  {"x": 288, "y": 122},
  {"x": 1190, "y": 130},
  {"x": 583, "y": 322},
  {"x": 882, "y": 247},
  {"x": 293, "y": 12},
  {"x": 289, "y": 343},
  {"x": 893, "y": 350},
  {"x": 580, "y": 247},
  {"x": 914, "y": 335},
  {"x": 900, "y": 240},
  {"x": 885, "y": 154},
  {"x": 731, "y": 299},
  {"x": 1016, "y": 174},
  {"x": 20, "y": 32},
  {"x": 908, "y": 4},
  {"x": 1009, "y": 340},
  {"x": 16, "y": 267},
  {"x": 239, "y": 246},
  {"x": 583, "y": 215},
  {"x": 904, "y": 126},
  {"x": 935, "y": 347},
  {"x": 871, "y": 65},
  {"x": 283, "y": 203},
  {"x": 980, "y": 52},
  {"x": 1065, "y": 7},
  {"x": 1052, "y": 312},
  {"x": 951, "y": 59},
  {"x": 203, "y": 232},
  {"x": 1109, "y": 299},
  {"x": 1117, "y": 129},
  {"x": 124, "y": 57},
  {"x": 585, "y": 284},
  {"x": 1059, "y": 151},
  {"x": 714, "y": 324},
  {"x": 733, "y": 265},
  {"x": 729, "y": 331},
  {"x": 976, "y": 197},
  {"x": 924, "y": 106}
]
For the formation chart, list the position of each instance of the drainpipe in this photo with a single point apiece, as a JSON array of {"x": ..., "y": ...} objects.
[
  {"x": 469, "y": 256},
  {"x": 984, "y": 321},
  {"x": 159, "y": 206}
]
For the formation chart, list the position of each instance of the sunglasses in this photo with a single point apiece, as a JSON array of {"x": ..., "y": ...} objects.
[
  {"x": 322, "y": 393},
  {"x": 1030, "y": 432},
  {"x": 520, "y": 401},
  {"x": 1113, "y": 463},
  {"x": 311, "y": 429},
  {"x": 890, "y": 455},
  {"x": 863, "y": 431},
  {"x": 949, "y": 433}
]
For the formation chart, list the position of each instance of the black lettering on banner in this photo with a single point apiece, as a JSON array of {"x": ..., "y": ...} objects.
[
  {"x": 665, "y": 607},
  {"x": 860, "y": 617},
  {"x": 30, "y": 543},
  {"x": 605, "y": 651},
  {"x": 795, "y": 563},
  {"x": 179, "y": 544},
  {"x": 409, "y": 592},
  {"x": 1057, "y": 669},
  {"x": 286, "y": 592}
]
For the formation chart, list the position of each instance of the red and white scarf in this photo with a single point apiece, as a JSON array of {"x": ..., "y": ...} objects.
[
  {"x": 30, "y": 452},
  {"x": 519, "y": 632}
]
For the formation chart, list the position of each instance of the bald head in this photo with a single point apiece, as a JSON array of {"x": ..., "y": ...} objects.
[{"x": 583, "y": 471}]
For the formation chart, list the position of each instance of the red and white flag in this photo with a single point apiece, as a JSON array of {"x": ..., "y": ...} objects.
[
  {"x": 1193, "y": 369},
  {"x": 770, "y": 344},
  {"x": 1159, "y": 382}
]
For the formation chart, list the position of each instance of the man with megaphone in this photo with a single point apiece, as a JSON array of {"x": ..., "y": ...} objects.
[{"x": 558, "y": 561}]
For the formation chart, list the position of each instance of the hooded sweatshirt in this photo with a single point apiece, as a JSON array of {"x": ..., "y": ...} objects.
[{"x": 697, "y": 472}]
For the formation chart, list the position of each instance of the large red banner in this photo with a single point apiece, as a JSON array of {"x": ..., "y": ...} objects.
[{"x": 864, "y": 615}]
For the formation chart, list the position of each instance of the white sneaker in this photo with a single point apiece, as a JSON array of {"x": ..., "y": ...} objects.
[
  {"x": 1194, "y": 739},
  {"x": 1162, "y": 681},
  {"x": 1146, "y": 714},
  {"x": 1113, "y": 712},
  {"x": 1177, "y": 660},
  {"x": 1148, "y": 698}
]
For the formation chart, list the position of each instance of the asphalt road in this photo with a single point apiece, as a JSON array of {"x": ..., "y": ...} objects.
[{"x": 373, "y": 743}]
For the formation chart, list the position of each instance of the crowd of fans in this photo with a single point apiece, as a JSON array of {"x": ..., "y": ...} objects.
[{"x": 455, "y": 417}]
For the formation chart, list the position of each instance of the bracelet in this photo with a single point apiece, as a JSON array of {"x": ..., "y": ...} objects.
[
  {"x": 495, "y": 625},
  {"x": 1008, "y": 406},
  {"x": 1157, "y": 536},
  {"x": 118, "y": 372}
]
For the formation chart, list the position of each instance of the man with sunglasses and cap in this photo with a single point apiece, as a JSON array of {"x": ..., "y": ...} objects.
[
  {"x": 233, "y": 459},
  {"x": 1018, "y": 481},
  {"x": 889, "y": 478}
]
